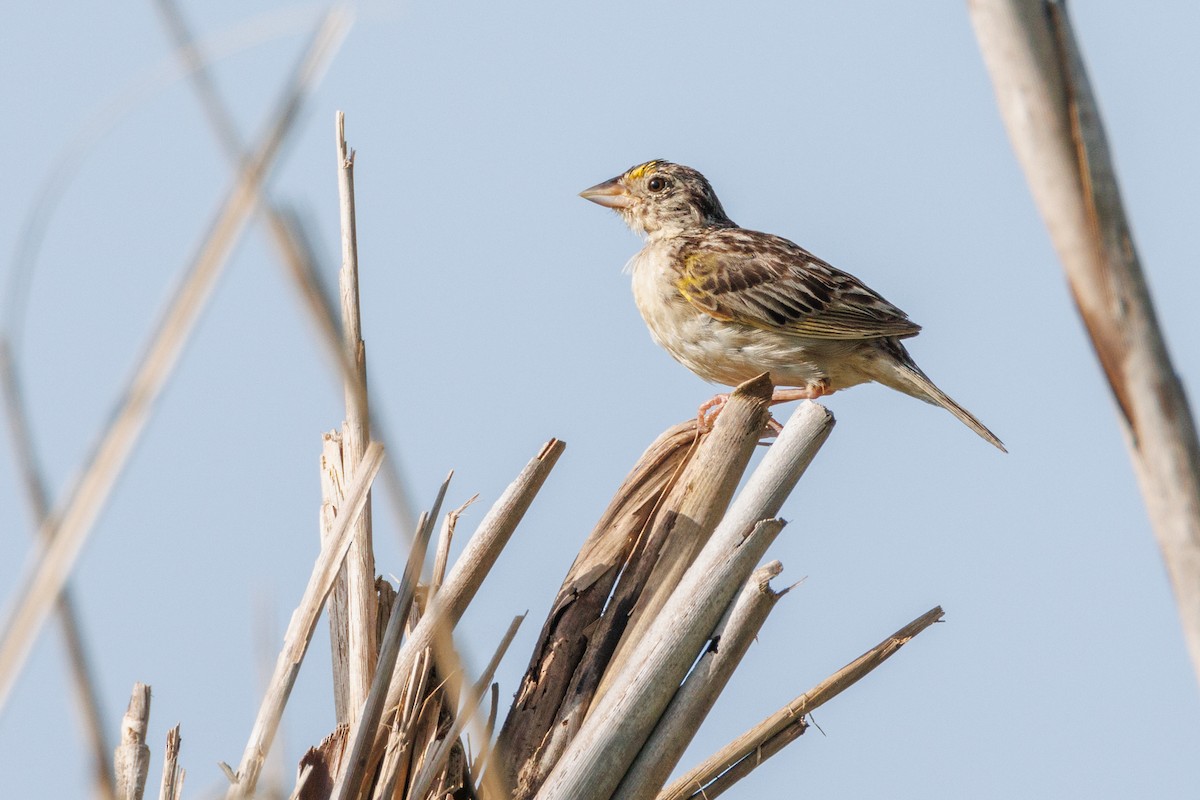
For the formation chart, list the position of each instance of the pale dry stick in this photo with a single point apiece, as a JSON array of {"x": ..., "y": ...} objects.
[
  {"x": 301, "y": 781},
  {"x": 131, "y": 759},
  {"x": 356, "y": 435},
  {"x": 468, "y": 710},
  {"x": 294, "y": 248},
  {"x": 442, "y": 557},
  {"x": 472, "y": 566},
  {"x": 68, "y": 527},
  {"x": 82, "y": 677},
  {"x": 358, "y": 751},
  {"x": 485, "y": 747},
  {"x": 300, "y": 630},
  {"x": 1053, "y": 121},
  {"x": 746, "y": 748},
  {"x": 619, "y": 723},
  {"x": 333, "y": 487},
  {"x": 172, "y": 775},
  {"x": 694, "y": 699}
]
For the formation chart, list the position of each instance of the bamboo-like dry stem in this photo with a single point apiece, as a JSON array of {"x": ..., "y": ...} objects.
[
  {"x": 695, "y": 698},
  {"x": 67, "y": 529},
  {"x": 172, "y": 775},
  {"x": 356, "y": 435},
  {"x": 300, "y": 629},
  {"x": 358, "y": 752},
  {"x": 751, "y": 745},
  {"x": 131, "y": 760},
  {"x": 1053, "y": 121},
  {"x": 620, "y": 722},
  {"x": 333, "y": 488},
  {"x": 445, "y": 537}
]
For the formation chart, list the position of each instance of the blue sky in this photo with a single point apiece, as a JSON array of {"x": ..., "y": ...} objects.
[{"x": 496, "y": 317}]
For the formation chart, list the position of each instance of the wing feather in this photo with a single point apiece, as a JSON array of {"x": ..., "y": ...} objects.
[{"x": 771, "y": 283}]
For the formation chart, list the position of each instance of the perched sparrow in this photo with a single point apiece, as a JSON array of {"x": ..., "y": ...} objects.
[{"x": 730, "y": 303}]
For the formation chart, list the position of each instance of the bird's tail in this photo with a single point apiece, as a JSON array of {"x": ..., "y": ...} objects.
[{"x": 902, "y": 374}]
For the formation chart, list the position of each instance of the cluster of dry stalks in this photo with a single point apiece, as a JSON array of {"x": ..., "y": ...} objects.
[{"x": 651, "y": 620}]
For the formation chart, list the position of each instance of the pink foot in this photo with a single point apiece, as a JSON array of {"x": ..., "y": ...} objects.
[{"x": 707, "y": 413}]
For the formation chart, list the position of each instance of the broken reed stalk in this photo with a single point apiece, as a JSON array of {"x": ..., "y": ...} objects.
[
  {"x": 1053, "y": 121},
  {"x": 695, "y": 698},
  {"x": 300, "y": 629},
  {"x": 350, "y": 779},
  {"x": 67, "y": 528},
  {"x": 751, "y": 748},
  {"x": 359, "y": 569},
  {"x": 131, "y": 760},
  {"x": 620, "y": 722},
  {"x": 172, "y": 775}
]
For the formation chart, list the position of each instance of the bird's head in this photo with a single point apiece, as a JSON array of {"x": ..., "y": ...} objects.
[{"x": 658, "y": 199}]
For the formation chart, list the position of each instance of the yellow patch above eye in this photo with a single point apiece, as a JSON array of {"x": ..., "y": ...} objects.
[{"x": 640, "y": 171}]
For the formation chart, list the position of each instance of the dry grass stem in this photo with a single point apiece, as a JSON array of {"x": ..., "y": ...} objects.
[
  {"x": 1053, "y": 121},
  {"x": 442, "y": 558},
  {"x": 695, "y": 698},
  {"x": 131, "y": 760},
  {"x": 300, "y": 629},
  {"x": 67, "y": 528},
  {"x": 172, "y": 775},
  {"x": 356, "y": 435},
  {"x": 349, "y": 783},
  {"x": 750, "y": 746}
]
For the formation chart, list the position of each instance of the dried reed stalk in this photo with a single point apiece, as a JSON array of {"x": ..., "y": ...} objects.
[
  {"x": 743, "y": 754},
  {"x": 172, "y": 774},
  {"x": 359, "y": 568},
  {"x": 66, "y": 530},
  {"x": 131, "y": 760},
  {"x": 695, "y": 698},
  {"x": 300, "y": 630},
  {"x": 1053, "y": 120}
]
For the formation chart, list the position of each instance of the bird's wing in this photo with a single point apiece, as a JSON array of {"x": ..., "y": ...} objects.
[{"x": 771, "y": 283}]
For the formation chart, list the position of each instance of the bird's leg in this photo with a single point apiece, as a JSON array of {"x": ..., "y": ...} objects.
[
  {"x": 707, "y": 413},
  {"x": 811, "y": 392}
]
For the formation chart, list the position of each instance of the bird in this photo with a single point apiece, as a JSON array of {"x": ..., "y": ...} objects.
[{"x": 731, "y": 303}]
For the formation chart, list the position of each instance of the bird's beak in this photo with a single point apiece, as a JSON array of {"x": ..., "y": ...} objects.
[{"x": 610, "y": 194}]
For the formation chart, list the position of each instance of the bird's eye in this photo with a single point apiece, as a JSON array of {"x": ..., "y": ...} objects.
[{"x": 656, "y": 184}]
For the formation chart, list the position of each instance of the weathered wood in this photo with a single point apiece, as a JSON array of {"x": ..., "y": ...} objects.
[
  {"x": 619, "y": 723},
  {"x": 131, "y": 759},
  {"x": 580, "y": 602},
  {"x": 695, "y": 698},
  {"x": 1053, "y": 121},
  {"x": 172, "y": 774},
  {"x": 356, "y": 435}
]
